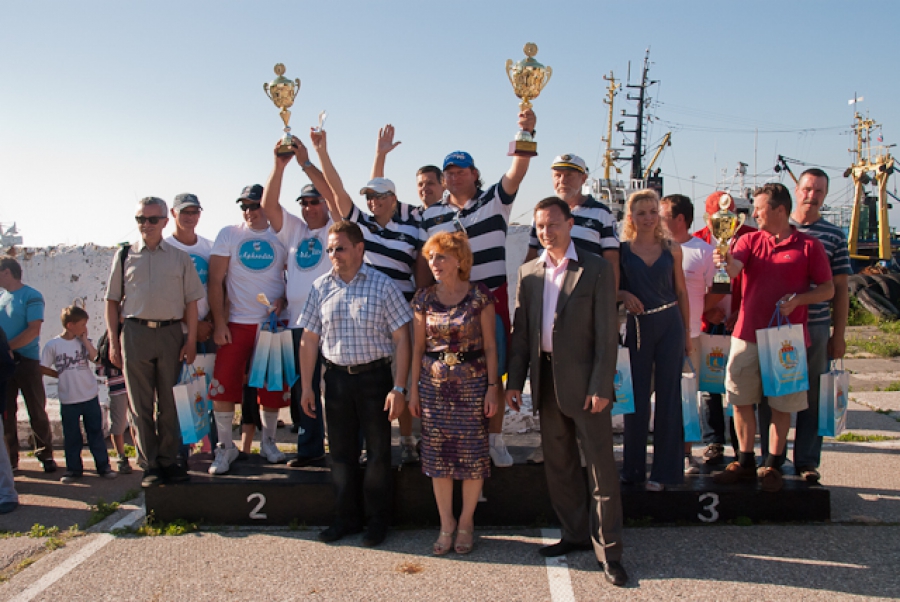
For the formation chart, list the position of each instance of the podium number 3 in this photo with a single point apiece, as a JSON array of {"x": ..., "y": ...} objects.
[
  {"x": 709, "y": 507},
  {"x": 260, "y": 502}
]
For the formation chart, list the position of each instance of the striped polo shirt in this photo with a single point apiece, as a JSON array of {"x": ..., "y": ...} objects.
[
  {"x": 485, "y": 220},
  {"x": 594, "y": 230},
  {"x": 393, "y": 249},
  {"x": 835, "y": 242}
]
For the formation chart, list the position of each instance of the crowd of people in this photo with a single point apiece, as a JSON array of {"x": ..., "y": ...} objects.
[{"x": 403, "y": 312}]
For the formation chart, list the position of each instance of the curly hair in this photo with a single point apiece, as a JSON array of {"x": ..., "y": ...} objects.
[
  {"x": 455, "y": 244},
  {"x": 642, "y": 196}
]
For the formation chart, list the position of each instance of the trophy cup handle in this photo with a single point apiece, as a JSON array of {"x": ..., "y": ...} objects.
[
  {"x": 266, "y": 90},
  {"x": 740, "y": 220},
  {"x": 547, "y": 75},
  {"x": 509, "y": 64}
]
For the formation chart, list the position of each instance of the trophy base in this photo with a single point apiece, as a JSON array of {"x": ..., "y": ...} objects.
[
  {"x": 720, "y": 288},
  {"x": 522, "y": 148},
  {"x": 285, "y": 150}
]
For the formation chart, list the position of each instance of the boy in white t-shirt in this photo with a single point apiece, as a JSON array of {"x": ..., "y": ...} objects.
[{"x": 68, "y": 358}]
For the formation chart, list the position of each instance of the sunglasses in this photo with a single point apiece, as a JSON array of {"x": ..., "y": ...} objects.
[
  {"x": 189, "y": 212},
  {"x": 310, "y": 202},
  {"x": 250, "y": 207},
  {"x": 143, "y": 220},
  {"x": 333, "y": 250}
]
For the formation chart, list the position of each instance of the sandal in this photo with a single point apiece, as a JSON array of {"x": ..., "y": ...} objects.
[
  {"x": 463, "y": 547},
  {"x": 439, "y": 549}
]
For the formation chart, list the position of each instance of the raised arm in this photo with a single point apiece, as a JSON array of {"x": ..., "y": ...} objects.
[
  {"x": 513, "y": 178},
  {"x": 385, "y": 145},
  {"x": 342, "y": 203},
  {"x": 271, "y": 205}
]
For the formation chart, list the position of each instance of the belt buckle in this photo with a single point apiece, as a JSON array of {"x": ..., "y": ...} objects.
[
  {"x": 352, "y": 370},
  {"x": 450, "y": 358},
  {"x": 152, "y": 324}
]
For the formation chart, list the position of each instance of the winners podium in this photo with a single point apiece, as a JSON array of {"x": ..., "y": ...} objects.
[{"x": 258, "y": 493}]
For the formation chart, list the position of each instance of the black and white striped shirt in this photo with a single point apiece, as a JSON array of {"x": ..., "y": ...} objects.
[
  {"x": 835, "y": 242},
  {"x": 594, "y": 230},
  {"x": 393, "y": 249},
  {"x": 485, "y": 219}
]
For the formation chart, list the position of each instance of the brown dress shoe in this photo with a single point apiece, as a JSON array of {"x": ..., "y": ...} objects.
[
  {"x": 770, "y": 479},
  {"x": 733, "y": 473}
]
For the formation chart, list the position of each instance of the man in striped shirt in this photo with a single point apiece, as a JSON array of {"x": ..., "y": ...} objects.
[
  {"x": 595, "y": 225},
  {"x": 484, "y": 216},
  {"x": 811, "y": 190}
]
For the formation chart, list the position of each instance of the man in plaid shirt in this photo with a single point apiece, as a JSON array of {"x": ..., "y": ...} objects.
[{"x": 357, "y": 315}]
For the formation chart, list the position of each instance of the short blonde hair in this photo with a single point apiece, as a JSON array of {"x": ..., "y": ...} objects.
[
  {"x": 455, "y": 244},
  {"x": 72, "y": 314},
  {"x": 647, "y": 195}
]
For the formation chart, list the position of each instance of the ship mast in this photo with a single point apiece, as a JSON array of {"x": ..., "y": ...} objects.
[
  {"x": 609, "y": 156},
  {"x": 637, "y": 153},
  {"x": 882, "y": 164}
]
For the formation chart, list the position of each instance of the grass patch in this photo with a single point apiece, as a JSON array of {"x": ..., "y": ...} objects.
[
  {"x": 894, "y": 386},
  {"x": 889, "y": 326},
  {"x": 154, "y": 528},
  {"x": 129, "y": 495},
  {"x": 851, "y": 437},
  {"x": 39, "y": 530},
  {"x": 743, "y": 521},
  {"x": 876, "y": 345},
  {"x": 859, "y": 315},
  {"x": 100, "y": 511}
]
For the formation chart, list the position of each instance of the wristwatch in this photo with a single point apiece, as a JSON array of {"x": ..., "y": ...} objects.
[
  {"x": 400, "y": 390},
  {"x": 306, "y": 164}
]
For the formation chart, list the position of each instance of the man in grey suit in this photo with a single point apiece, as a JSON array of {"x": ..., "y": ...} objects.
[{"x": 565, "y": 331}]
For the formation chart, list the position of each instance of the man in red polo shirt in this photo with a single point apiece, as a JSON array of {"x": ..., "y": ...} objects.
[{"x": 780, "y": 265}]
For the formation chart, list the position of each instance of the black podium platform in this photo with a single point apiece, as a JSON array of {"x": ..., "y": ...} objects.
[{"x": 258, "y": 493}]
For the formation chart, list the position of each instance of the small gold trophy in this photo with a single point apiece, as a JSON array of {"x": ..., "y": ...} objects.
[
  {"x": 528, "y": 77},
  {"x": 282, "y": 92},
  {"x": 724, "y": 224}
]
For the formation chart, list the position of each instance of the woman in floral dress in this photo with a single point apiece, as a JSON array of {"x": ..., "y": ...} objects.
[{"x": 454, "y": 383}]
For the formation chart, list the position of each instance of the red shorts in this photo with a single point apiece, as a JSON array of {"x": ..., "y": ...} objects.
[{"x": 231, "y": 369}]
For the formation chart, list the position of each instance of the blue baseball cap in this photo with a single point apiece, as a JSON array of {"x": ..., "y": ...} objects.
[{"x": 459, "y": 159}]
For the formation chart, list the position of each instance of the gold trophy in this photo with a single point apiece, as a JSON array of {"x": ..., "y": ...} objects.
[
  {"x": 282, "y": 92},
  {"x": 724, "y": 224},
  {"x": 528, "y": 77}
]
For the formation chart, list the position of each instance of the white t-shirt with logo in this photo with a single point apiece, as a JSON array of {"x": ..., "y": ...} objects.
[
  {"x": 699, "y": 269},
  {"x": 306, "y": 260},
  {"x": 77, "y": 381},
  {"x": 256, "y": 265},
  {"x": 199, "y": 252}
]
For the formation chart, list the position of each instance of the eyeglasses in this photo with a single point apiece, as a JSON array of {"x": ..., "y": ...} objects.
[
  {"x": 333, "y": 250},
  {"x": 143, "y": 220},
  {"x": 377, "y": 195},
  {"x": 250, "y": 207},
  {"x": 310, "y": 202},
  {"x": 191, "y": 212}
]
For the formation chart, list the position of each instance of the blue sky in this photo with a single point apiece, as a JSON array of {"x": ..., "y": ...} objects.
[{"x": 103, "y": 103}]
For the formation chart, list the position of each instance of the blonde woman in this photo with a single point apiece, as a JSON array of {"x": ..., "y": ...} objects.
[
  {"x": 653, "y": 291},
  {"x": 454, "y": 383}
]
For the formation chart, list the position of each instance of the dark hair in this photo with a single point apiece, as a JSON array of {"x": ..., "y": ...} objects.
[
  {"x": 779, "y": 196},
  {"x": 432, "y": 169},
  {"x": 349, "y": 228},
  {"x": 73, "y": 314},
  {"x": 554, "y": 201},
  {"x": 815, "y": 172},
  {"x": 478, "y": 183},
  {"x": 9, "y": 263},
  {"x": 681, "y": 205}
]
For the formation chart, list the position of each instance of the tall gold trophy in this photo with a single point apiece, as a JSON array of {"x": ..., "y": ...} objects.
[
  {"x": 724, "y": 224},
  {"x": 528, "y": 77},
  {"x": 282, "y": 92}
]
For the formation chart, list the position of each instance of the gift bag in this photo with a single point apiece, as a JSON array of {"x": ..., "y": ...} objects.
[
  {"x": 274, "y": 368},
  {"x": 690, "y": 405},
  {"x": 833, "y": 387},
  {"x": 782, "y": 357},
  {"x": 624, "y": 402},
  {"x": 204, "y": 364},
  {"x": 714, "y": 349},
  {"x": 192, "y": 408},
  {"x": 261, "y": 353},
  {"x": 287, "y": 357}
]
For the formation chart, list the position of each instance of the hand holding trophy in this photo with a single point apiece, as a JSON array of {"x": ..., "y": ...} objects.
[
  {"x": 282, "y": 92},
  {"x": 528, "y": 77},
  {"x": 724, "y": 223}
]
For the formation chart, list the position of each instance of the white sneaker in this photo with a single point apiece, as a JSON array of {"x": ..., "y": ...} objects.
[
  {"x": 691, "y": 466},
  {"x": 500, "y": 455},
  {"x": 224, "y": 457},
  {"x": 269, "y": 450}
]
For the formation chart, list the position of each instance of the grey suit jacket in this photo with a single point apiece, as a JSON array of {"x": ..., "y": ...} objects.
[{"x": 584, "y": 332}]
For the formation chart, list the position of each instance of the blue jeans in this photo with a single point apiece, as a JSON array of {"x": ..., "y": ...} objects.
[
  {"x": 355, "y": 402},
  {"x": 311, "y": 433},
  {"x": 72, "y": 414},
  {"x": 7, "y": 481}
]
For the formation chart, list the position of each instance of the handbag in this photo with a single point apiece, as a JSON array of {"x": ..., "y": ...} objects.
[
  {"x": 833, "y": 387},
  {"x": 192, "y": 407},
  {"x": 690, "y": 405},
  {"x": 782, "y": 357},
  {"x": 624, "y": 402},
  {"x": 714, "y": 351}
]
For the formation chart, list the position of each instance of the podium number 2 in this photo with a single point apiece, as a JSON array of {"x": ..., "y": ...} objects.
[
  {"x": 709, "y": 507},
  {"x": 260, "y": 502}
]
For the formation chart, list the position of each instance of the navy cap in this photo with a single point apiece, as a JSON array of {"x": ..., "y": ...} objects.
[
  {"x": 251, "y": 193},
  {"x": 308, "y": 191},
  {"x": 459, "y": 159},
  {"x": 186, "y": 199}
]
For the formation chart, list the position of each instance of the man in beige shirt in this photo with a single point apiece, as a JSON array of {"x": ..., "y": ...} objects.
[{"x": 161, "y": 287}]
